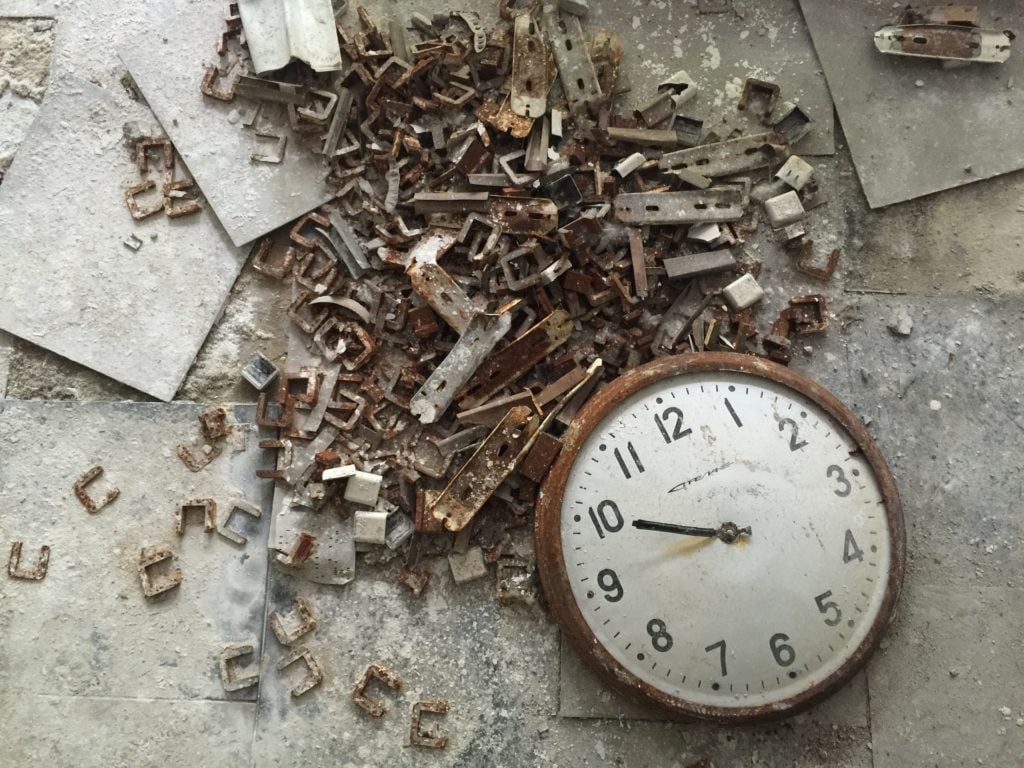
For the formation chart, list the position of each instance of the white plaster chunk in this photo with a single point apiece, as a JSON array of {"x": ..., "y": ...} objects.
[{"x": 469, "y": 566}]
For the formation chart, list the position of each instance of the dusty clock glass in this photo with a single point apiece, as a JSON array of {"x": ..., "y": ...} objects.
[{"x": 725, "y": 540}]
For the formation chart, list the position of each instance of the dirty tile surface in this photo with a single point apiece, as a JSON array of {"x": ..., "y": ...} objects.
[
  {"x": 87, "y": 296},
  {"x": 249, "y": 198},
  {"x": 86, "y": 629},
  {"x": 905, "y": 138},
  {"x": 763, "y": 40},
  {"x": 148, "y": 732}
]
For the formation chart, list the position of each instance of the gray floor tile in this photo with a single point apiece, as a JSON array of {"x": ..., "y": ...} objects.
[
  {"x": 90, "y": 732},
  {"x": 945, "y": 408},
  {"x": 496, "y": 665},
  {"x": 137, "y": 316},
  {"x": 86, "y": 629},
  {"x": 945, "y": 691}
]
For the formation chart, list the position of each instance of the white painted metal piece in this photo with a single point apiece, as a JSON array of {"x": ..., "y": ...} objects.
[
  {"x": 796, "y": 172},
  {"x": 363, "y": 488},
  {"x": 742, "y": 292}
]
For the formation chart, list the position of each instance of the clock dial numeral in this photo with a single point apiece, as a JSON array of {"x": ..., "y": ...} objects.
[
  {"x": 784, "y": 654},
  {"x": 638, "y": 466},
  {"x": 824, "y": 607},
  {"x": 677, "y": 429},
  {"x": 851, "y": 551},
  {"x": 600, "y": 517},
  {"x": 661, "y": 640},
  {"x": 795, "y": 443},
  {"x": 721, "y": 658},
  {"x": 732, "y": 412},
  {"x": 608, "y": 580},
  {"x": 837, "y": 471}
]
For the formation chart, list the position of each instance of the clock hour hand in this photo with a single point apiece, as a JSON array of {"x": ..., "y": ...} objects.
[{"x": 727, "y": 532}]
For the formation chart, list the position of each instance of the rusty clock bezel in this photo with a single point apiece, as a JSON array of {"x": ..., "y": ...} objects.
[{"x": 555, "y": 581}]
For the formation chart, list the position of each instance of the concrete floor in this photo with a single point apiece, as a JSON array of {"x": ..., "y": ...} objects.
[{"x": 944, "y": 404}]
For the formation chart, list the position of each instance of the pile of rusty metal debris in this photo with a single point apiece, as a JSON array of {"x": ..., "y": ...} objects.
[{"x": 496, "y": 249}]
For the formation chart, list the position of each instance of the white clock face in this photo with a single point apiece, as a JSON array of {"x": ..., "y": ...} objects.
[{"x": 743, "y": 623}]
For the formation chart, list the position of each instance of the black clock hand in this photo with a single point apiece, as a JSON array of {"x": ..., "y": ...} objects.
[{"x": 727, "y": 532}]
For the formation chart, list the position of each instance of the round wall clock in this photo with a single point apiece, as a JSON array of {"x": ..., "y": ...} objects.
[{"x": 720, "y": 536}]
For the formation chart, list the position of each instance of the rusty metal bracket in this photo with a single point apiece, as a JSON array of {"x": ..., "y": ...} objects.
[
  {"x": 237, "y": 505},
  {"x": 314, "y": 671},
  {"x": 195, "y": 464},
  {"x": 486, "y": 469},
  {"x": 951, "y": 42},
  {"x": 529, "y": 83},
  {"x": 758, "y": 97},
  {"x": 17, "y": 571},
  {"x": 422, "y": 737},
  {"x": 575, "y": 67},
  {"x": 725, "y": 158},
  {"x": 208, "y": 509},
  {"x": 514, "y": 580},
  {"x": 270, "y": 90},
  {"x": 518, "y": 358},
  {"x": 152, "y": 585},
  {"x": 138, "y": 212},
  {"x": 307, "y": 621},
  {"x": 480, "y": 337},
  {"x": 88, "y": 477},
  {"x": 523, "y": 215},
  {"x": 375, "y": 671},
  {"x": 300, "y": 551},
  {"x": 435, "y": 285},
  {"x": 416, "y": 581},
  {"x": 229, "y": 677},
  {"x": 210, "y": 75},
  {"x": 689, "y": 207},
  {"x": 274, "y": 157}
]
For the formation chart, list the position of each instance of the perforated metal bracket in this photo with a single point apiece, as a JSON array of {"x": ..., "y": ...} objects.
[
  {"x": 314, "y": 672},
  {"x": 229, "y": 673},
  {"x": 375, "y": 671},
  {"x": 528, "y": 95},
  {"x": 575, "y": 67},
  {"x": 237, "y": 505},
  {"x": 306, "y": 616},
  {"x": 17, "y": 571}
]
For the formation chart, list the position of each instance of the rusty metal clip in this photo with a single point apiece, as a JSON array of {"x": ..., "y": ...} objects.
[
  {"x": 237, "y": 505},
  {"x": 208, "y": 508},
  {"x": 229, "y": 677},
  {"x": 375, "y": 671},
  {"x": 88, "y": 477},
  {"x": 17, "y": 571},
  {"x": 314, "y": 672},
  {"x": 420, "y": 736},
  {"x": 154, "y": 586},
  {"x": 303, "y": 611}
]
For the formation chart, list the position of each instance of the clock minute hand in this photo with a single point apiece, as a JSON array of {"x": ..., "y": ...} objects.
[{"x": 727, "y": 532}]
